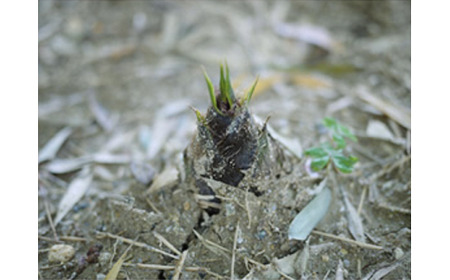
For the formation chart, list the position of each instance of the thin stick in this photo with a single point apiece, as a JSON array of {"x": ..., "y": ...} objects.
[
  {"x": 386, "y": 206},
  {"x": 210, "y": 242},
  {"x": 179, "y": 267},
  {"x": 389, "y": 168},
  {"x": 50, "y": 266},
  {"x": 361, "y": 201},
  {"x": 50, "y": 220},
  {"x": 283, "y": 274},
  {"x": 353, "y": 242},
  {"x": 203, "y": 269},
  {"x": 48, "y": 239},
  {"x": 248, "y": 210},
  {"x": 73, "y": 238},
  {"x": 171, "y": 267},
  {"x": 256, "y": 263},
  {"x": 368, "y": 155},
  {"x": 149, "y": 202},
  {"x": 358, "y": 268},
  {"x": 233, "y": 255},
  {"x": 101, "y": 235},
  {"x": 167, "y": 243}
]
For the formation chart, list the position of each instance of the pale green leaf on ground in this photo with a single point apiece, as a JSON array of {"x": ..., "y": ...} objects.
[{"x": 310, "y": 216}]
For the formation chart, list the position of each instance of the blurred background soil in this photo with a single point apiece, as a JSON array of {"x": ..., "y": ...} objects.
[{"x": 118, "y": 77}]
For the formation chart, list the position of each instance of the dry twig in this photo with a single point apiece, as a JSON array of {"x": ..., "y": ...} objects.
[
  {"x": 149, "y": 202},
  {"x": 167, "y": 243},
  {"x": 179, "y": 267},
  {"x": 209, "y": 242},
  {"x": 233, "y": 256},
  {"x": 171, "y": 267},
  {"x": 392, "y": 208},
  {"x": 248, "y": 210},
  {"x": 50, "y": 220},
  {"x": 101, "y": 235},
  {"x": 350, "y": 241},
  {"x": 361, "y": 201}
]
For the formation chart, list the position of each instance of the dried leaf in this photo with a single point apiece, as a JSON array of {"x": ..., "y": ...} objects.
[
  {"x": 378, "y": 129},
  {"x": 310, "y": 216},
  {"x": 75, "y": 192},
  {"x": 112, "y": 274},
  {"x": 56, "y": 103},
  {"x": 354, "y": 221},
  {"x": 104, "y": 174},
  {"x": 340, "y": 271},
  {"x": 52, "y": 147},
  {"x": 161, "y": 131},
  {"x": 102, "y": 116},
  {"x": 399, "y": 114},
  {"x": 310, "y": 81},
  {"x": 287, "y": 264},
  {"x": 311, "y": 34},
  {"x": 302, "y": 261},
  {"x": 120, "y": 140},
  {"x": 382, "y": 272},
  {"x": 60, "y": 166},
  {"x": 166, "y": 178},
  {"x": 292, "y": 144},
  {"x": 106, "y": 158},
  {"x": 339, "y": 104},
  {"x": 264, "y": 84}
]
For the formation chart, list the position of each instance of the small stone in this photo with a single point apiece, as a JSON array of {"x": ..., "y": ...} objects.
[
  {"x": 186, "y": 206},
  {"x": 60, "y": 253},
  {"x": 104, "y": 258},
  {"x": 325, "y": 258},
  {"x": 398, "y": 253},
  {"x": 101, "y": 276},
  {"x": 143, "y": 172}
]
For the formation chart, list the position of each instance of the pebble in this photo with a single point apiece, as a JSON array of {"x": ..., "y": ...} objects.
[
  {"x": 60, "y": 253},
  {"x": 398, "y": 253},
  {"x": 103, "y": 258}
]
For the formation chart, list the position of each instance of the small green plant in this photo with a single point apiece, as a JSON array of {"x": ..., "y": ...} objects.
[{"x": 334, "y": 150}]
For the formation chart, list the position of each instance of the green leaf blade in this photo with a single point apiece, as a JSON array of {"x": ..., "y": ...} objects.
[
  {"x": 344, "y": 164},
  {"x": 316, "y": 152},
  {"x": 211, "y": 91},
  {"x": 318, "y": 164},
  {"x": 229, "y": 93}
]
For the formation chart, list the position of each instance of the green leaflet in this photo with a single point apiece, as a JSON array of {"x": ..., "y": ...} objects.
[{"x": 333, "y": 151}]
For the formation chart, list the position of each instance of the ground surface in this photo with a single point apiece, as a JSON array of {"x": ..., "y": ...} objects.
[{"x": 119, "y": 77}]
